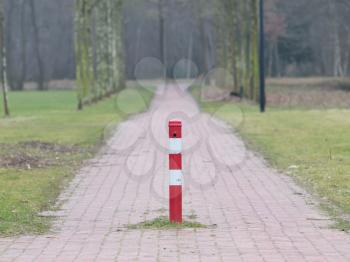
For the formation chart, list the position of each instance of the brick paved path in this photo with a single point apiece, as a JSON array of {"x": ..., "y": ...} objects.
[{"x": 253, "y": 213}]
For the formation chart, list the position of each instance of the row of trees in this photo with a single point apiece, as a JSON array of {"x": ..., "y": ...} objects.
[
  {"x": 39, "y": 41},
  {"x": 98, "y": 46},
  {"x": 303, "y": 38},
  {"x": 99, "y": 49},
  {"x": 219, "y": 34},
  {"x": 237, "y": 42},
  {"x": 222, "y": 33},
  {"x": 35, "y": 43},
  {"x": 40, "y": 34}
]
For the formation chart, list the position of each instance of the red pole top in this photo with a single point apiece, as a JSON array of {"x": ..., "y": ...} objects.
[
  {"x": 175, "y": 123},
  {"x": 175, "y": 129}
]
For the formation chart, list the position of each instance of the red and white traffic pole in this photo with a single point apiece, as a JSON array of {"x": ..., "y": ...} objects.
[{"x": 175, "y": 171}]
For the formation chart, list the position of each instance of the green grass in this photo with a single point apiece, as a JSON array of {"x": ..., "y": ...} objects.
[
  {"x": 164, "y": 223},
  {"x": 311, "y": 145},
  {"x": 41, "y": 146}
]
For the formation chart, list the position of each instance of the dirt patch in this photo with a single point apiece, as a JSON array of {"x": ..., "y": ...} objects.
[
  {"x": 24, "y": 161},
  {"x": 317, "y": 82},
  {"x": 310, "y": 99},
  {"x": 44, "y": 146},
  {"x": 309, "y": 92},
  {"x": 34, "y": 154}
]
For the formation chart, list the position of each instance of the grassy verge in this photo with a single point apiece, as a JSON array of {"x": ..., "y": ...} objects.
[
  {"x": 43, "y": 144},
  {"x": 311, "y": 145}
]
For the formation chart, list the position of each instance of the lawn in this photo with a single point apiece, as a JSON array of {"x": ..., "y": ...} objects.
[
  {"x": 312, "y": 145},
  {"x": 43, "y": 144}
]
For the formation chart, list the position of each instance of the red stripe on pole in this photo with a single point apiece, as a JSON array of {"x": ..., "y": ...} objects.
[
  {"x": 175, "y": 161},
  {"x": 175, "y": 129},
  {"x": 175, "y": 203}
]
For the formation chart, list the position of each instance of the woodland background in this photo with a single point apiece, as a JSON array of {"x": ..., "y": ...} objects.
[{"x": 303, "y": 38}]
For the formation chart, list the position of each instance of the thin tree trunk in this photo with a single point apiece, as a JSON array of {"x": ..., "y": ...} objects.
[
  {"x": 3, "y": 60},
  {"x": 41, "y": 76},
  {"x": 246, "y": 48},
  {"x": 79, "y": 52},
  {"x": 189, "y": 57},
  {"x": 254, "y": 94},
  {"x": 239, "y": 46},
  {"x": 204, "y": 44},
  {"x": 202, "y": 35},
  {"x": 119, "y": 69},
  {"x": 137, "y": 45},
  {"x": 22, "y": 77},
  {"x": 271, "y": 59},
  {"x": 277, "y": 61},
  {"x": 162, "y": 33},
  {"x": 4, "y": 81},
  {"x": 337, "y": 59}
]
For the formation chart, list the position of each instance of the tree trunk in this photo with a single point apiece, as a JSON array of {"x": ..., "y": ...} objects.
[
  {"x": 254, "y": 94},
  {"x": 202, "y": 36},
  {"x": 337, "y": 59},
  {"x": 189, "y": 57},
  {"x": 270, "y": 58},
  {"x": 137, "y": 45},
  {"x": 162, "y": 40},
  {"x": 22, "y": 76},
  {"x": 277, "y": 61},
  {"x": 98, "y": 49},
  {"x": 3, "y": 60},
  {"x": 41, "y": 75}
]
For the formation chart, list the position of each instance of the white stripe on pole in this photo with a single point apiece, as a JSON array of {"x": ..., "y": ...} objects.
[
  {"x": 175, "y": 145},
  {"x": 175, "y": 177}
]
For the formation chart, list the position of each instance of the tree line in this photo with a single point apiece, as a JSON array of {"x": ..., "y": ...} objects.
[
  {"x": 40, "y": 36},
  {"x": 36, "y": 46},
  {"x": 308, "y": 37},
  {"x": 40, "y": 39},
  {"x": 303, "y": 38},
  {"x": 98, "y": 49},
  {"x": 211, "y": 34}
]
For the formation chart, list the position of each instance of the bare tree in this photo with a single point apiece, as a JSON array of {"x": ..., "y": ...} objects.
[
  {"x": 3, "y": 59},
  {"x": 23, "y": 37},
  {"x": 41, "y": 72},
  {"x": 98, "y": 49},
  {"x": 162, "y": 36}
]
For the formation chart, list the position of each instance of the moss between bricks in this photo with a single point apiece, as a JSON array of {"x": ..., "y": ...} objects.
[{"x": 164, "y": 223}]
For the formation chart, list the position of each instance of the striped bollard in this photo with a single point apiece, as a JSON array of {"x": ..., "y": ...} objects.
[{"x": 175, "y": 171}]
